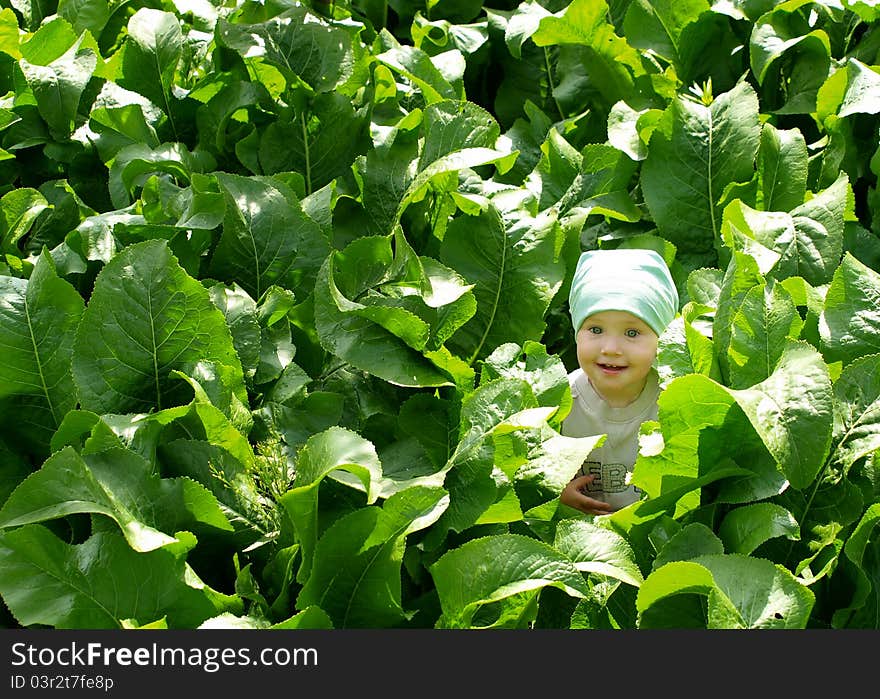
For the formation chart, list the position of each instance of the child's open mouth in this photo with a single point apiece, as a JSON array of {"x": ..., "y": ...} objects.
[{"x": 610, "y": 368}]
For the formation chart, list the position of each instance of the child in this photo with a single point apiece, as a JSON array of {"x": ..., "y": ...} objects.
[{"x": 620, "y": 303}]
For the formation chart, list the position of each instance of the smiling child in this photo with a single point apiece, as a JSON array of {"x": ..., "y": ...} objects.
[{"x": 620, "y": 303}]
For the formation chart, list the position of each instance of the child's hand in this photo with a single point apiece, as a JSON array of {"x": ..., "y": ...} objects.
[{"x": 573, "y": 495}]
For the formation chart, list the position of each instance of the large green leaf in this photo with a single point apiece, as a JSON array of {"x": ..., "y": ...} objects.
[
  {"x": 492, "y": 569},
  {"x": 544, "y": 372},
  {"x": 693, "y": 35},
  {"x": 782, "y": 168},
  {"x": 321, "y": 140},
  {"x": 100, "y": 583},
  {"x": 857, "y": 410},
  {"x": 608, "y": 59},
  {"x": 388, "y": 313},
  {"x": 693, "y": 155},
  {"x": 745, "y": 528},
  {"x": 853, "y": 90},
  {"x": 475, "y": 482},
  {"x": 417, "y": 67},
  {"x": 764, "y": 321},
  {"x": 740, "y": 277},
  {"x": 19, "y": 209},
  {"x": 146, "y": 317},
  {"x": 91, "y": 15},
  {"x": 850, "y": 323},
  {"x": 119, "y": 484},
  {"x": 595, "y": 549},
  {"x": 516, "y": 269},
  {"x": 154, "y": 46},
  {"x": 349, "y": 458},
  {"x": 267, "y": 239},
  {"x": 241, "y": 317},
  {"x": 792, "y": 412},
  {"x": 706, "y": 438},
  {"x": 38, "y": 321},
  {"x": 299, "y": 43},
  {"x": 58, "y": 87},
  {"x": 456, "y": 135},
  {"x": 789, "y": 58},
  {"x": 741, "y": 592},
  {"x": 356, "y": 573},
  {"x": 808, "y": 239},
  {"x": 861, "y": 563}
]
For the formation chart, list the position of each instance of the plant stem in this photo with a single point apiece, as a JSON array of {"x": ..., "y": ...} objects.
[
  {"x": 550, "y": 80},
  {"x": 305, "y": 134}
]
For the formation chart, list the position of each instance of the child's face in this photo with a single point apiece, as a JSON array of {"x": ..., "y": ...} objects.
[{"x": 616, "y": 351}]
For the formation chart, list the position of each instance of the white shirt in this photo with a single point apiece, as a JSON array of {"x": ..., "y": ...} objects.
[{"x": 611, "y": 462}]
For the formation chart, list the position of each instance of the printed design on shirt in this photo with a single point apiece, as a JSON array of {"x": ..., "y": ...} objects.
[{"x": 609, "y": 478}]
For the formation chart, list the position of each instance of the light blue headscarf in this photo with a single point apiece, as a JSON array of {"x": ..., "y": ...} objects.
[{"x": 626, "y": 279}]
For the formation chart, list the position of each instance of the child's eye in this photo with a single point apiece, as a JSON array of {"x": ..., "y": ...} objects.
[
  {"x": 632, "y": 332},
  {"x": 595, "y": 330}
]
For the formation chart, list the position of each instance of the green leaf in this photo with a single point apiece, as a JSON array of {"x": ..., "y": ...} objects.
[
  {"x": 376, "y": 311},
  {"x": 773, "y": 35},
  {"x": 792, "y": 412},
  {"x": 782, "y": 168},
  {"x": 19, "y": 209},
  {"x": 456, "y": 135},
  {"x": 91, "y": 15},
  {"x": 418, "y": 67},
  {"x": 853, "y": 90},
  {"x": 10, "y": 34},
  {"x": 600, "y": 186},
  {"x": 689, "y": 34},
  {"x": 146, "y": 317},
  {"x": 99, "y": 583},
  {"x": 134, "y": 164},
  {"x": 545, "y": 373},
  {"x": 760, "y": 327},
  {"x": 550, "y": 466},
  {"x": 475, "y": 483},
  {"x": 340, "y": 454},
  {"x": 300, "y": 43},
  {"x": 857, "y": 411},
  {"x": 789, "y": 58},
  {"x": 228, "y": 479},
  {"x": 59, "y": 85},
  {"x": 121, "y": 118},
  {"x": 693, "y": 155},
  {"x": 491, "y": 569},
  {"x": 609, "y": 60},
  {"x": 240, "y": 311},
  {"x": 706, "y": 438},
  {"x": 692, "y": 541},
  {"x": 355, "y": 576},
  {"x": 38, "y": 321},
  {"x": 861, "y": 612},
  {"x": 516, "y": 270},
  {"x": 742, "y": 593},
  {"x": 746, "y": 528},
  {"x": 808, "y": 240},
  {"x": 597, "y": 550},
  {"x": 154, "y": 46},
  {"x": 266, "y": 239},
  {"x": 119, "y": 484},
  {"x": 850, "y": 323},
  {"x": 741, "y": 275},
  {"x": 320, "y": 141}
]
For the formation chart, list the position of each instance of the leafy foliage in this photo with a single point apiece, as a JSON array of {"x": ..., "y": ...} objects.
[{"x": 283, "y": 311}]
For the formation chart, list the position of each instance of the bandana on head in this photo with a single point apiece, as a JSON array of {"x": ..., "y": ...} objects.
[{"x": 632, "y": 280}]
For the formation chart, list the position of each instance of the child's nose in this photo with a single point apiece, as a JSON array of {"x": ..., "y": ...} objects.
[{"x": 611, "y": 344}]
